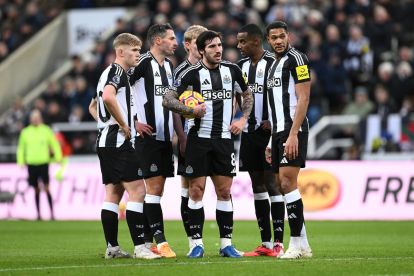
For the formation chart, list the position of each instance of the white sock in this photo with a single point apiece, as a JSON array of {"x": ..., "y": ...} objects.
[
  {"x": 268, "y": 245},
  {"x": 224, "y": 242},
  {"x": 190, "y": 242},
  {"x": 198, "y": 242},
  {"x": 294, "y": 242},
  {"x": 304, "y": 238},
  {"x": 139, "y": 246}
]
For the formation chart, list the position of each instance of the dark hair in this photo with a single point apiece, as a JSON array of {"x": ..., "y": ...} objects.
[
  {"x": 204, "y": 37},
  {"x": 252, "y": 30},
  {"x": 157, "y": 30},
  {"x": 276, "y": 25}
]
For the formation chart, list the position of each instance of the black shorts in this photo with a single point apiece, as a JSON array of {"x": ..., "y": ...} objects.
[
  {"x": 181, "y": 161},
  {"x": 118, "y": 164},
  {"x": 155, "y": 157},
  {"x": 37, "y": 172},
  {"x": 207, "y": 157},
  {"x": 252, "y": 151},
  {"x": 279, "y": 160}
]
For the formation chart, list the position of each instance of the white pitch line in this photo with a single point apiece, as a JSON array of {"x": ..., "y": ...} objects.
[{"x": 201, "y": 263}]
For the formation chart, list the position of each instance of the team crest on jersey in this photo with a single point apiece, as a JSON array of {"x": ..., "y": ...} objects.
[
  {"x": 116, "y": 79},
  {"x": 260, "y": 73},
  {"x": 177, "y": 83},
  {"x": 153, "y": 168},
  {"x": 226, "y": 79},
  {"x": 131, "y": 71},
  {"x": 189, "y": 170},
  {"x": 169, "y": 75}
]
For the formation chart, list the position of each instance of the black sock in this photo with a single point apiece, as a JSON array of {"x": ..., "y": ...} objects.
[
  {"x": 278, "y": 219},
  {"x": 110, "y": 226},
  {"x": 294, "y": 206},
  {"x": 37, "y": 201},
  {"x": 49, "y": 199},
  {"x": 148, "y": 237},
  {"x": 153, "y": 212},
  {"x": 224, "y": 217},
  {"x": 184, "y": 215},
  {"x": 262, "y": 208},
  {"x": 196, "y": 219},
  {"x": 135, "y": 220}
]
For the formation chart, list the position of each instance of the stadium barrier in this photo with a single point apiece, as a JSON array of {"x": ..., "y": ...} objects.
[{"x": 331, "y": 190}]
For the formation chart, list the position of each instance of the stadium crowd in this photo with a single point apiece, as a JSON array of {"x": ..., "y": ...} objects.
[{"x": 361, "y": 53}]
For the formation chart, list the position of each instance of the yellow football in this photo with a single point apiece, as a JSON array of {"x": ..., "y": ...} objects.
[{"x": 191, "y": 99}]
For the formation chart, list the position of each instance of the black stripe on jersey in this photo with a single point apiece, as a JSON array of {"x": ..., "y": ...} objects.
[
  {"x": 216, "y": 85},
  {"x": 166, "y": 111},
  {"x": 251, "y": 80},
  {"x": 111, "y": 136},
  {"x": 286, "y": 98},
  {"x": 272, "y": 99}
]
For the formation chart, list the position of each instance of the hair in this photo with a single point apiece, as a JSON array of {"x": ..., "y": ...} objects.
[
  {"x": 193, "y": 32},
  {"x": 252, "y": 30},
  {"x": 277, "y": 25},
  {"x": 126, "y": 39},
  {"x": 157, "y": 30},
  {"x": 204, "y": 37}
]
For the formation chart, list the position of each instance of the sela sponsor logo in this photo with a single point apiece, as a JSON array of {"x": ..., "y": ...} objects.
[
  {"x": 256, "y": 88},
  {"x": 302, "y": 72},
  {"x": 320, "y": 189},
  {"x": 273, "y": 82},
  {"x": 222, "y": 94},
  {"x": 161, "y": 90}
]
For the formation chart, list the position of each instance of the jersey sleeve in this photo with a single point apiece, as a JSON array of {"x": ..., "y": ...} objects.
[
  {"x": 114, "y": 77},
  {"x": 240, "y": 80},
  {"x": 299, "y": 67},
  {"x": 137, "y": 72},
  {"x": 184, "y": 81}
]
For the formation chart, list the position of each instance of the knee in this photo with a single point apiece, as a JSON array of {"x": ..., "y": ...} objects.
[
  {"x": 224, "y": 193},
  {"x": 155, "y": 189},
  {"x": 285, "y": 184},
  {"x": 259, "y": 189},
  {"x": 196, "y": 192}
]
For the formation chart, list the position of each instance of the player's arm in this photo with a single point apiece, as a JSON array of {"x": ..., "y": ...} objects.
[
  {"x": 301, "y": 75},
  {"x": 55, "y": 146},
  {"x": 111, "y": 103},
  {"x": 93, "y": 108}
]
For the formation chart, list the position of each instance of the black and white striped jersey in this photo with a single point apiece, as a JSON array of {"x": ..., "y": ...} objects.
[
  {"x": 150, "y": 83},
  {"x": 291, "y": 68},
  {"x": 110, "y": 134},
  {"x": 256, "y": 76},
  {"x": 177, "y": 74},
  {"x": 217, "y": 87}
]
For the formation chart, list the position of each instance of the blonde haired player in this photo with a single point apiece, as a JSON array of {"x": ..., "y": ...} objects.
[{"x": 180, "y": 123}]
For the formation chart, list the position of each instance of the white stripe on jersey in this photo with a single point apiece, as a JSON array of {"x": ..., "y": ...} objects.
[
  {"x": 227, "y": 103},
  {"x": 206, "y": 123}
]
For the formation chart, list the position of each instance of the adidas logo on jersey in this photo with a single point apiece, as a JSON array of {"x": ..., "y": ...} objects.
[
  {"x": 206, "y": 82},
  {"x": 156, "y": 74},
  {"x": 283, "y": 161}
]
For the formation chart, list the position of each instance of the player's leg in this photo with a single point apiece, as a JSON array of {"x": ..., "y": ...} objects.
[
  {"x": 223, "y": 167},
  {"x": 277, "y": 207}
]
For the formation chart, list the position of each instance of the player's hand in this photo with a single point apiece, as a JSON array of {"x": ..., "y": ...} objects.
[
  {"x": 237, "y": 126},
  {"x": 291, "y": 147},
  {"x": 199, "y": 111},
  {"x": 183, "y": 143},
  {"x": 142, "y": 129},
  {"x": 126, "y": 131},
  {"x": 268, "y": 155},
  {"x": 266, "y": 125}
]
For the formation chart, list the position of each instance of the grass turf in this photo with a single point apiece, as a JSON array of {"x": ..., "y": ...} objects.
[{"x": 77, "y": 248}]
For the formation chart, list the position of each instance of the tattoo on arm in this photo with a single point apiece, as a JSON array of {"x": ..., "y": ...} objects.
[
  {"x": 247, "y": 103},
  {"x": 171, "y": 102}
]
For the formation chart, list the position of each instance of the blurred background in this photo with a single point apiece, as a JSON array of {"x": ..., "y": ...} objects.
[{"x": 361, "y": 53}]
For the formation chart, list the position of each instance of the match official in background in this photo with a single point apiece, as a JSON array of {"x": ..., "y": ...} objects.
[
  {"x": 37, "y": 148},
  {"x": 254, "y": 139},
  {"x": 289, "y": 91}
]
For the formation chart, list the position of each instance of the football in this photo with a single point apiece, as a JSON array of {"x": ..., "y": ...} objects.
[{"x": 191, "y": 99}]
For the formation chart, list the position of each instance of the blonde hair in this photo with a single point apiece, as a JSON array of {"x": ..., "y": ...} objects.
[
  {"x": 126, "y": 39},
  {"x": 193, "y": 32}
]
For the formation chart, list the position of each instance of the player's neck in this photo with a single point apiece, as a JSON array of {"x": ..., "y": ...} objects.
[
  {"x": 122, "y": 64},
  {"x": 158, "y": 55},
  {"x": 257, "y": 56},
  {"x": 210, "y": 65},
  {"x": 193, "y": 60}
]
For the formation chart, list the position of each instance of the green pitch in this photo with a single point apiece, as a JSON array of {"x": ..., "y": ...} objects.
[{"x": 76, "y": 248}]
